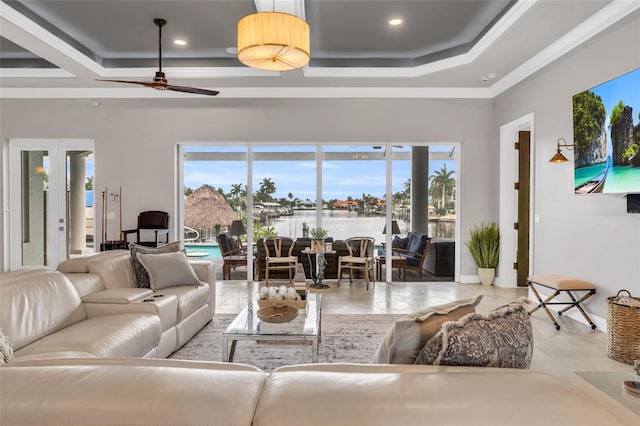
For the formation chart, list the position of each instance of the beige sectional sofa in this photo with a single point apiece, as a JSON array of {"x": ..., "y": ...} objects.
[
  {"x": 84, "y": 342},
  {"x": 91, "y": 307},
  {"x": 171, "y": 392}
]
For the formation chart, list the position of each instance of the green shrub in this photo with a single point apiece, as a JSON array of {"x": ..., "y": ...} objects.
[{"x": 484, "y": 245}]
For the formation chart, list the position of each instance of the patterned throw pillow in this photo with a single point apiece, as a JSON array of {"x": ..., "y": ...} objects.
[
  {"x": 6, "y": 349},
  {"x": 142, "y": 277},
  {"x": 503, "y": 338}
]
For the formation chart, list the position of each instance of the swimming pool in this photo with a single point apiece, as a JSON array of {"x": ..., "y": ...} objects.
[{"x": 203, "y": 251}]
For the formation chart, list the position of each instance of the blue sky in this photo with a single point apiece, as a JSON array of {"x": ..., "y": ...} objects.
[{"x": 341, "y": 179}]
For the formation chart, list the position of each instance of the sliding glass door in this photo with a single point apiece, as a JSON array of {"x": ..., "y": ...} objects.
[{"x": 348, "y": 190}]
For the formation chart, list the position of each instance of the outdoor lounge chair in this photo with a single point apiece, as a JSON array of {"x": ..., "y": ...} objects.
[
  {"x": 233, "y": 256},
  {"x": 415, "y": 251}
]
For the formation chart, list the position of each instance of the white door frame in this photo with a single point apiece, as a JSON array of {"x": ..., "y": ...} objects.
[
  {"x": 57, "y": 148},
  {"x": 509, "y": 201}
]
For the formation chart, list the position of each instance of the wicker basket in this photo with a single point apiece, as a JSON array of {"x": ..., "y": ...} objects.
[{"x": 623, "y": 323}]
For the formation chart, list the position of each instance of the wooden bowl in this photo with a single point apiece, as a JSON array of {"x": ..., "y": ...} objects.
[{"x": 277, "y": 313}]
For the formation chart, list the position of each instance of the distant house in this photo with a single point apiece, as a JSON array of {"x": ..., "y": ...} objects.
[{"x": 345, "y": 204}]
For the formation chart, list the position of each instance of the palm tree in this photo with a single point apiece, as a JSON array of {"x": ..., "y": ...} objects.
[
  {"x": 238, "y": 194},
  {"x": 236, "y": 191},
  {"x": 267, "y": 187},
  {"x": 442, "y": 184},
  {"x": 407, "y": 188}
]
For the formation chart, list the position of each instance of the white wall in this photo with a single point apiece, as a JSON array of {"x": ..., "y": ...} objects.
[
  {"x": 589, "y": 237},
  {"x": 136, "y": 139}
]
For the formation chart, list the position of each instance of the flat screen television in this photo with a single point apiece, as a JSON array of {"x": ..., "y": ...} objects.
[{"x": 606, "y": 135}]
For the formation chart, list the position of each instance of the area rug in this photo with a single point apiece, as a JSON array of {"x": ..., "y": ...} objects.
[{"x": 345, "y": 338}]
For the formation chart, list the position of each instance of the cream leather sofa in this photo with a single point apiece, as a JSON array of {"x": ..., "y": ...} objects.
[
  {"x": 106, "y": 282},
  {"x": 93, "y": 309},
  {"x": 170, "y": 392}
]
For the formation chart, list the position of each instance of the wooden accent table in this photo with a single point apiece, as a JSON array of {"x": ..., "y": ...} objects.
[{"x": 397, "y": 262}]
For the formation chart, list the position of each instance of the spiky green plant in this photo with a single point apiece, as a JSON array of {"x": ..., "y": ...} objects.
[
  {"x": 318, "y": 233},
  {"x": 484, "y": 245}
]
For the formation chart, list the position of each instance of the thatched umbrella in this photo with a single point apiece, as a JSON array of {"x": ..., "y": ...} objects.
[{"x": 206, "y": 208}]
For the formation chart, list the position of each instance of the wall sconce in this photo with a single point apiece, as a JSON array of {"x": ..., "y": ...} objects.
[{"x": 558, "y": 157}]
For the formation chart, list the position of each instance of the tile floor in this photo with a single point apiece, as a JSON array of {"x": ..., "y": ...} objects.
[{"x": 575, "y": 347}]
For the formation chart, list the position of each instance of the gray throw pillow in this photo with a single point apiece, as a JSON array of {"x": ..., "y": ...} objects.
[
  {"x": 142, "y": 278},
  {"x": 503, "y": 338},
  {"x": 168, "y": 270}
]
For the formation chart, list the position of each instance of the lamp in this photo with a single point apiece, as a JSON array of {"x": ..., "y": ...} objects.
[
  {"x": 273, "y": 41},
  {"x": 237, "y": 228},
  {"x": 395, "y": 229},
  {"x": 558, "y": 157}
]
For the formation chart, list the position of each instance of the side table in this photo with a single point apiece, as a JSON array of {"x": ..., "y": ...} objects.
[
  {"x": 397, "y": 262},
  {"x": 317, "y": 268}
]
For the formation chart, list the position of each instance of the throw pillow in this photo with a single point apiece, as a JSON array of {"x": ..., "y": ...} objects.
[
  {"x": 168, "y": 270},
  {"x": 408, "y": 334},
  {"x": 400, "y": 243},
  {"x": 6, "y": 349},
  {"x": 503, "y": 338},
  {"x": 142, "y": 277}
]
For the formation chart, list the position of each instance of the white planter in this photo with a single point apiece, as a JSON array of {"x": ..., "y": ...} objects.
[{"x": 486, "y": 275}]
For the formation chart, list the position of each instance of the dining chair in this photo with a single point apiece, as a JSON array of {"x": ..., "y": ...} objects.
[
  {"x": 360, "y": 258},
  {"x": 278, "y": 257}
]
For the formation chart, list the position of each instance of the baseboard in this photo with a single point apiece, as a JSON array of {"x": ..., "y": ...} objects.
[
  {"x": 601, "y": 323},
  {"x": 475, "y": 279},
  {"x": 469, "y": 279}
]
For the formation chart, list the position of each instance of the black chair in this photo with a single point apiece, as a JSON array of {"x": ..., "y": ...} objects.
[
  {"x": 153, "y": 220},
  {"x": 233, "y": 255}
]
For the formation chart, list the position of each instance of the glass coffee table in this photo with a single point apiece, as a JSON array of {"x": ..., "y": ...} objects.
[{"x": 247, "y": 326}]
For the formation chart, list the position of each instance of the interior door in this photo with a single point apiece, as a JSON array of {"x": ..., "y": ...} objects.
[
  {"x": 51, "y": 203},
  {"x": 523, "y": 187}
]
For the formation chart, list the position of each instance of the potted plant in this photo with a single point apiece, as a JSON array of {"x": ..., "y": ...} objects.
[
  {"x": 484, "y": 246},
  {"x": 317, "y": 239}
]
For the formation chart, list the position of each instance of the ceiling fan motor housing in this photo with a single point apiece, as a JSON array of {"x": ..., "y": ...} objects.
[{"x": 160, "y": 78}]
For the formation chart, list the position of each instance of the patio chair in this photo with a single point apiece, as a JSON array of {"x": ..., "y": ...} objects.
[
  {"x": 360, "y": 258},
  {"x": 233, "y": 256},
  {"x": 278, "y": 259},
  {"x": 415, "y": 251}
]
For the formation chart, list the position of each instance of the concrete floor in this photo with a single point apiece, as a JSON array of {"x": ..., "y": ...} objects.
[{"x": 575, "y": 347}]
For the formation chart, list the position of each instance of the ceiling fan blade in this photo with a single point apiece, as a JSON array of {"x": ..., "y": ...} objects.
[
  {"x": 142, "y": 83},
  {"x": 160, "y": 81},
  {"x": 192, "y": 90}
]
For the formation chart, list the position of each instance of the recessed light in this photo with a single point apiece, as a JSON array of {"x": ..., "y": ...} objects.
[
  {"x": 395, "y": 22},
  {"x": 232, "y": 50},
  {"x": 180, "y": 42}
]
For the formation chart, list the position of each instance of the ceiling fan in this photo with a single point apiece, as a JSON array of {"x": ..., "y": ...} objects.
[{"x": 160, "y": 81}]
